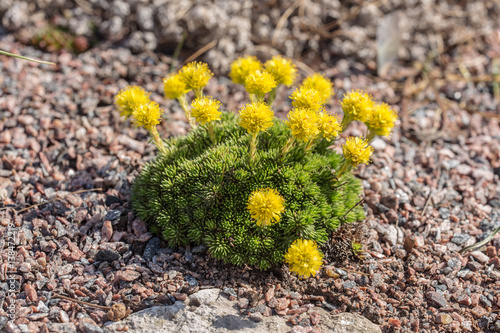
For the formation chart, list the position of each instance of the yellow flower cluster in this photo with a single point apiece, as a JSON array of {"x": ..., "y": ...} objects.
[
  {"x": 308, "y": 98},
  {"x": 147, "y": 115},
  {"x": 303, "y": 123},
  {"x": 282, "y": 69},
  {"x": 329, "y": 126},
  {"x": 381, "y": 120},
  {"x": 357, "y": 151},
  {"x": 130, "y": 98},
  {"x": 174, "y": 87},
  {"x": 265, "y": 206},
  {"x": 259, "y": 83},
  {"x": 357, "y": 105},
  {"x": 321, "y": 84},
  {"x": 256, "y": 117},
  {"x": 205, "y": 110},
  {"x": 195, "y": 75},
  {"x": 304, "y": 258},
  {"x": 242, "y": 67}
]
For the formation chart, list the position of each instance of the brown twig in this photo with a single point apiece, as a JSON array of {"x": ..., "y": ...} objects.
[
  {"x": 199, "y": 52},
  {"x": 51, "y": 200},
  {"x": 54, "y": 295},
  {"x": 357, "y": 204},
  {"x": 283, "y": 19}
]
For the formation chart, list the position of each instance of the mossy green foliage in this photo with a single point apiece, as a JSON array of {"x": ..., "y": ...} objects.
[{"x": 198, "y": 192}]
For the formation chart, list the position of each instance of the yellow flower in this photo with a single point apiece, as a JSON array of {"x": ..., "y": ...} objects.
[
  {"x": 304, "y": 258},
  {"x": 381, "y": 120},
  {"x": 329, "y": 126},
  {"x": 241, "y": 67},
  {"x": 259, "y": 83},
  {"x": 308, "y": 98},
  {"x": 174, "y": 87},
  {"x": 303, "y": 123},
  {"x": 321, "y": 84},
  {"x": 266, "y": 206},
  {"x": 205, "y": 109},
  {"x": 283, "y": 70},
  {"x": 256, "y": 117},
  {"x": 357, "y": 105},
  {"x": 357, "y": 151},
  {"x": 129, "y": 98},
  {"x": 147, "y": 115},
  {"x": 195, "y": 75}
]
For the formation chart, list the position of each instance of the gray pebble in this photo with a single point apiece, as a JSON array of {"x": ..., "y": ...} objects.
[
  {"x": 191, "y": 280},
  {"x": 113, "y": 216},
  {"x": 199, "y": 249},
  {"x": 107, "y": 255},
  {"x": 460, "y": 239},
  {"x": 154, "y": 244},
  {"x": 349, "y": 284}
]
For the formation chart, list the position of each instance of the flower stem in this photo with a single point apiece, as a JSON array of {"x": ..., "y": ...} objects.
[
  {"x": 271, "y": 97},
  {"x": 346, "y": 166},
  {"x": 287, "y": 146},
  {"x": 198, "y": 93},
  {"x": 309, "y": 145},
  {"x": 157, "y": 140},
  {"x": 184, "y": 105},
  {"x": 253, "y": 148},
  {"x": 211, "y": 132},
  {"x": 26, "y": 58},
  {"x": 370, "y": 136},
  {"x": 346, "y": 121}
]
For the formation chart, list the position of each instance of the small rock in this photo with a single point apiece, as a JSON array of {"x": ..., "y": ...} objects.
[
  {"x": 191, "y": 280},
  {"x": 491, "y": 251},
  {"x": 460, "y": 239},
  {"x": 107, "y": 255},
  {"x": 443, "y": 318},
  {"x": 180, "y": 296},
  {"x": 464, "y": 300},
  {"x": 479, "y": 311},
  {"x": 188, "y": 255},
  {"x": 474, "y": 266},
  {"x": 390, "y": 201},
  {"x": 480, "y": 256},
  {"x": 30, "y": 291},
  {"x": 394, "y": 322},
  {"x": 243, "y": 303},
  {"x": 269, "y": 294},
  {"x": 349, "y": 284},
  {"x": 199, "y": 249},
  {"x": 330, "y": 271},
  {"x": 282, "y": 304},
  {"x": 111, "y": 199},
  {"x": 315, "y": 318},
  {"x": 350, "y": 322},
  {"x": 106, "y": 231},
  {"x": 152, "y": 247},
  {"x": 3, "y": 322},
  {"x": 454, "y": 263},
  {"x": 204, "y": 297},
  {"x": 113, "y": 216},
  {"x": 61, "y": 327},
  {"x": 436, "y": 298},
  {"x": 127, "y": 275},
  {"x": 256, "y": 317}
]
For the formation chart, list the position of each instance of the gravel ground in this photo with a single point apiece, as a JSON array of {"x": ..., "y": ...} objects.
[
  {"x": 315, "y": 29},
  {"x": 431, "y": 190}
]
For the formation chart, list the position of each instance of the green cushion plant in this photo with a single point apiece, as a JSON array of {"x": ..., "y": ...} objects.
[{"x": 253, "y": 188}]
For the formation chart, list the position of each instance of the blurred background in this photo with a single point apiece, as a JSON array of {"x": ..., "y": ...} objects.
[{"x": 317, "y": 32}]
